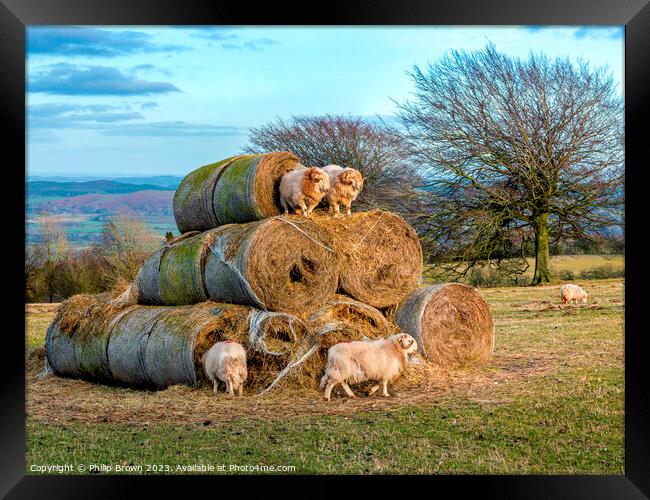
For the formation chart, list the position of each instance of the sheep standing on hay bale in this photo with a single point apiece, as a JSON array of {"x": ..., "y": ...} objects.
[
  {"x": 155, "y": 347},
  {"x": 572, "y": 293},
  {"x": 239, "y": 189},
  {"x": 226, "y": 361},
  {"x": 301, "y": 190},
  {"x": 452, "y": 324},
  {"x": 381, "y": 256},
  {"x": 381, "y": 360},
  {"x": 277, "y": 264},
  {"x": 345, "y": 186}
]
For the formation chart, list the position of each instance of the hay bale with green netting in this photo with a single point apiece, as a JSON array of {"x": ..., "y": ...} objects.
[
  {"x": 451, "y": 322},
  {"x": 381, "y": 256},
  {"x": 275, "y": 264},
  {"x": 159, "y": 346},
  {"x": 242, "y": 188}
]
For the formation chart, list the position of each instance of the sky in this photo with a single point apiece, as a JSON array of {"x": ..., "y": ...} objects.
[{"x": 137, "y": 101}]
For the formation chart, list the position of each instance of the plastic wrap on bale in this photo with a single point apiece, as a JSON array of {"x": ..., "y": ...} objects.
[
  {"x": 238, "y": 189},
  {"x": 159, "y": 346},
  {"x": 276, "y": 264}
]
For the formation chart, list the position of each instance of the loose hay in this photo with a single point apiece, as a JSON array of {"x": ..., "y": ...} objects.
[
  {"x": 274, "y": 264},
  {"x": 381, "y": 256},
  {"x": 158, "y": 346},
  {"x": 452, "y": 324},
  {"x": 238, "y": 189},
  {"x": 343, "y": 318}
]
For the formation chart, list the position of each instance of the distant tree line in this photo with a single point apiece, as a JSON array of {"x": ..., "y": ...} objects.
[{"x": 54, "y": 270}]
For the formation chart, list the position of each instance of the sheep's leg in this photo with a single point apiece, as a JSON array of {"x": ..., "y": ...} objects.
[
  {"x": 328, "y": 390},
  {"x": 373, "y": 389},
  {"x": 240, "y": 390},
  {"x": 303, "y": 208},
  {"x": 347, "y": 390},
  {"x": 285, "y": 207},
  {"x": 348, "y": 209},
  {"x": 215, "y": 386},
  {"x": 385, "y": 388},
  {"x": 229, "y": 387}
]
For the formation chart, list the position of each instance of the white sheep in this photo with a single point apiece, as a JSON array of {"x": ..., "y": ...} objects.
[
  {"x": 226, "y": 361},
  {"x": 301, "y": 190},
  {"x": 345, "y": 186},
  {"x": 381, "y": 360},
  {"x": 572, "y": 293}
]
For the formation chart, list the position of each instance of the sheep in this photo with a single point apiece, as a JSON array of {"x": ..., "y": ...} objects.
[
  {"x": 381, "y": 360},
  {"x": 226, "y": 361},
  {"x": 303, "y": 189},
  {"x": 345, "y": 186},
  {"x": 570, "y": 293}
]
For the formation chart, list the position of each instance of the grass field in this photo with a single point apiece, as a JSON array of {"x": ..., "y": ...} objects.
[{"x": 550, "y": 401}]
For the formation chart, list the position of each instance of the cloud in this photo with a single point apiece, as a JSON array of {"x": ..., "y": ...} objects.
[
  {"x": 231, "y": 40},
  {"x": 149, "y": 105},
  {"x": 69, "y": 79},
  {"x": 175, "y": 129},
  {"x": 599, "y": 32},
  {"x": 256, "y": 44},
  {"x": 81, "y": 41},
  {"x": 150, "y": 68},
  {"x": 62, "y": 115},
  {"x": 215, "y": 34}
]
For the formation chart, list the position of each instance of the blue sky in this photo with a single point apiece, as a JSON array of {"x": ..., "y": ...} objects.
[{"x": 132, "y": 101}]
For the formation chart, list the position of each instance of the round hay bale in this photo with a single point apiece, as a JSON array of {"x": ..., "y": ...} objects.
[
  {"x": 147, "y": 346},
  {"x": 381, "y": 256},
  {"x": 242, "y": 188},
  {"x": 274, "y": 264},
  {"x": 451, "y": 322}
]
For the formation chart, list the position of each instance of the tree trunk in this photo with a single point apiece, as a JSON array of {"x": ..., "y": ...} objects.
[{"x": 542, "y": 259}]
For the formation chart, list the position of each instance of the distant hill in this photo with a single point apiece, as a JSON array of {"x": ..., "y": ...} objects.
[
  {"x": 168, "y": 181},
  {"x": 66, "y": 189},
  {"x": 141, "y": 202}
]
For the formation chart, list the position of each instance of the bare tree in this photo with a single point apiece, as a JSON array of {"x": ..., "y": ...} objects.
[
  {"x": 125, "y": 243},
  {"x": 51, "y": 251},
  {"x": 514, "y": 151},
  {"x": 375, "y": 149}
]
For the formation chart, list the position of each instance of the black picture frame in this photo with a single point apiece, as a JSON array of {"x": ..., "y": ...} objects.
[{"x": 15, "y": 15}]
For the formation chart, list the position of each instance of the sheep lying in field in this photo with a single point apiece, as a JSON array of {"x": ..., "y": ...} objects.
[
  {"x": 572, "y": 293},
  {"x": 301, "y": 190},
  {"x": 381, "y": 360},
  {"x": 226, "y": 361},
  {"x": 345, "y": 186}
]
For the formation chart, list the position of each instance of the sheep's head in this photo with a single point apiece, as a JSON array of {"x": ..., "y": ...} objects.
[
  {"x": 318, "y": 180},
  {"x": 407, "y": 343},
  {"x": 351, "y": 177}
]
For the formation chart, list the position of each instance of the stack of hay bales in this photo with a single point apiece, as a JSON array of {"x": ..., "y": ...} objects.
[{"x": 286, "y": 287}]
